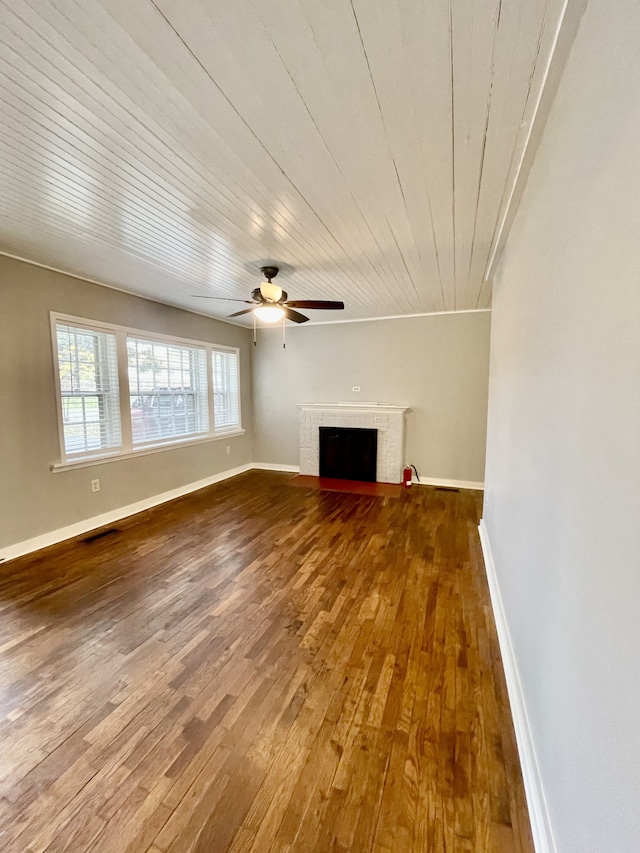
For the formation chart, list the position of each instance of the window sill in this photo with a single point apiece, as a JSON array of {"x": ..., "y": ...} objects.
[{"x": 88, "y": 462}]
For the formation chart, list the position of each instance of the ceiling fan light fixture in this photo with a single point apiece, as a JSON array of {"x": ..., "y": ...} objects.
[{"x": 269, "y": 313}]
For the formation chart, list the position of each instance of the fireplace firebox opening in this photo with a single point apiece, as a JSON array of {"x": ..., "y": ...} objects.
[{"x": 348, "y": 453}]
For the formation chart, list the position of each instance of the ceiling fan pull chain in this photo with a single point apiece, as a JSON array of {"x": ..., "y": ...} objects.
[
  {"x": 254, "y": 330},
  {"x": 284, "y": 345}
]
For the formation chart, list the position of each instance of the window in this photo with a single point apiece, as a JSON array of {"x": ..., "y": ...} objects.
[
  {"x": 167, "y": 390},
  {"x": 122, "y": 391},
  {"x": 89, "y": 394},
  {"x": 226, "y": 402}
]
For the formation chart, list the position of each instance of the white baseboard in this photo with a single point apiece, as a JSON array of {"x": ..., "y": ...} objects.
[
  {"x": 268, "y": 466},
  {"x": 88, "y": 524},
  {"x": 451, "y": 484},
  {"x": 538, "y": 811},
  {"x": 52, "y": 537},
  {"x": 424, "y": 481}
]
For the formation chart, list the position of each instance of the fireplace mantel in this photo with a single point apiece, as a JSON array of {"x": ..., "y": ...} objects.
[
  {"x": 386, "y": 418},
  {"x": 357, "y": 407}
]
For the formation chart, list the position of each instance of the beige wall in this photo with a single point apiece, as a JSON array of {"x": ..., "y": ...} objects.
[
  {"x": 36, "y": 501},
  {"x": 438, "y": 365},
  {"x": 562, "y": 500}
]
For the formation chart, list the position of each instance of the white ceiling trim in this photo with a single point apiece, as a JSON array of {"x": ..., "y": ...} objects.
[
  {"x": 376, "y": 319},
  {"x": 260, "y": 326},
  {"x": 568, "y": 24},
  {"x": 519, "y": 174},
  {"x": 115, "y": 287},
  {"x": 375, "y": 150}
]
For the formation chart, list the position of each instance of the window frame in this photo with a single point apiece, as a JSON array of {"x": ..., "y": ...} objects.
[
  {"x": 127, "y": 448},
  {"x": 90, "y": 327},
  {"x": 225, "y": 430}
]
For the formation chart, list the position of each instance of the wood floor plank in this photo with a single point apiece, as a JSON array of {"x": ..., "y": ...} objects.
[{"x": 256, "y": 667}]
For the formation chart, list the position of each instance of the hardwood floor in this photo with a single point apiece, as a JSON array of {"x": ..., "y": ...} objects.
[{"x": 257, "y": 667}]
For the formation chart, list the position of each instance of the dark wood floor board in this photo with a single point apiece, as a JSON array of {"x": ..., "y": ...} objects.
[{"x": 256, "y": 668}]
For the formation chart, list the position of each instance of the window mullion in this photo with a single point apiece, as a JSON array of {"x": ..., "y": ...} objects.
[
  {"x": 124, "y": 395},
  {"x": 211, "y": 404}
]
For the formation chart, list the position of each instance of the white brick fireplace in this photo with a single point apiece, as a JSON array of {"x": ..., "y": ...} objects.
[{"x": 388, "y": 420}]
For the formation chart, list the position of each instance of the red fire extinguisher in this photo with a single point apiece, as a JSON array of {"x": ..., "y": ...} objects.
[{"x": 406, "y": 477}]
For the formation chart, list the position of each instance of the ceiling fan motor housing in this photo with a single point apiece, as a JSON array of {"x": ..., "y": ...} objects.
[{"x": 269, "y": 272}]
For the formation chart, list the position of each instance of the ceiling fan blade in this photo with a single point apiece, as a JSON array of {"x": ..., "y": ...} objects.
[
  {"x": 311, "y": 303},
  {"x": 225, "y": 298},
  {"x": 244, "y": 311},
  {"x": 293, "y": 315}
]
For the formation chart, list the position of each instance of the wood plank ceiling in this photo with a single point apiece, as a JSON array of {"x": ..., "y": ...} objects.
[{"x": 369, "y": 147}]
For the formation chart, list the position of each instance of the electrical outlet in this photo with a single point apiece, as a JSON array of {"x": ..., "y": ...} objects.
[
  {"x": 356, "y": 388},
  {"x": 95, "y": 485},
  {"x": 228, "y": 449}
]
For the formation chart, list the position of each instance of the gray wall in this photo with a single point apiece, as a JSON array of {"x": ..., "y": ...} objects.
[
  {"x": 562, "y": 500},
  {"x": 438, "y": 365},
  {"x": 34, "y": 500}
]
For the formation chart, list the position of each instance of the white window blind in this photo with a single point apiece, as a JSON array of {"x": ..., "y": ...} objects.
[
  {"x": 226, "y": 396},
  {"x": 122, "y": 391},
  {"x": 168, "y": 390},
  {"x": 89, "y": 401}
]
